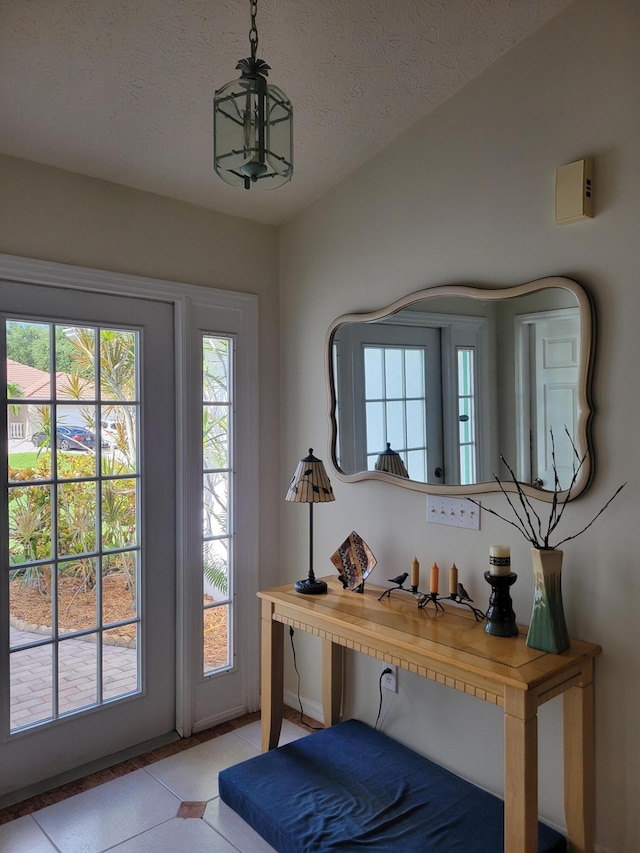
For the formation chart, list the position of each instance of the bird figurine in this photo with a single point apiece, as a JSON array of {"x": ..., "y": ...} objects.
[
  {"x": 463, "y": 595},
  {"x": 400, "y": 579}
]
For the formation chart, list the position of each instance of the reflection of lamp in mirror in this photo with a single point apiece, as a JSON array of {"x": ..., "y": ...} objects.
[
  {"x": 310, "y": 484},
  {"x": 391, "y": 462}
]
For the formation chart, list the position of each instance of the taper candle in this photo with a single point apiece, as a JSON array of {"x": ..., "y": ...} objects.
[
  {"x": 415, "y": 572},
  {"x": 434, "y": 578},
  {"x": 499, "y": 560},
  {"x": 453, "y": 580}
]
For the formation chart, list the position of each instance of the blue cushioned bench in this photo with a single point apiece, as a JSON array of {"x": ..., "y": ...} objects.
[{"x": 350, "y": 787}]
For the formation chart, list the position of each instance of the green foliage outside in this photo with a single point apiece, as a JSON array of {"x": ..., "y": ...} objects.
[
  {"x": 30, "y": 524},
  {"x": 29, "y": 343},
  {"x": 30, "y": 521},
  {"x": 31, "y": 527}
]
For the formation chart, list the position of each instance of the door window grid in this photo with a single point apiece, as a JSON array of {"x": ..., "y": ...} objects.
[
  {"x": 396, "y": 405},
  {"x": 217, "y": 502},
  {"x": 467, "y": 442},
  {"x": 73, "y": 507}
]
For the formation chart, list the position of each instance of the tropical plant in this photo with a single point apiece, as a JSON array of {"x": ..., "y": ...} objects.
[
  {"x": 215, "y": 572},
  {"x": 14, "y": 392},
  {"x": 527, "y": 520},
  {"x": 117, "y": 370},
  {"x": 44, "y": 426}
]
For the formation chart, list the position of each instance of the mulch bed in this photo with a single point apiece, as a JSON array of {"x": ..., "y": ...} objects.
[{"x": 30, "y": 610}]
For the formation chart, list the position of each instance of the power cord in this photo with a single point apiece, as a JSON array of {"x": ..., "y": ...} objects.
[
  {"x": 295, "y": 666},
  {"x": 385, "y": 671}
]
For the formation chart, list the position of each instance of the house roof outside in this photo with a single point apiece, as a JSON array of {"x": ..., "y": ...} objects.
[{"x": 35, "y": 383}]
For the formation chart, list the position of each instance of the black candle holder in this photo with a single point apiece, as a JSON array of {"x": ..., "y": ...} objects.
[
  {"x": 501, "y": 620},
  {"x": 426, "y": 598}
]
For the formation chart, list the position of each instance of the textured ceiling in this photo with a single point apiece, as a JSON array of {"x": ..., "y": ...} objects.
[{"x": 122, "y": 89}]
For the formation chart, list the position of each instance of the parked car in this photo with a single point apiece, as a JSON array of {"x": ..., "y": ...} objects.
[
  {"x": 109, "y": 432},
  {"x": 69, "y": 438}
]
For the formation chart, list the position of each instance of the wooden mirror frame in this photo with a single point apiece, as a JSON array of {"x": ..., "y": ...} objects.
[{"x": 582, "y": 437}]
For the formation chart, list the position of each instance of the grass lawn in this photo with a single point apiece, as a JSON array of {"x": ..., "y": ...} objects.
[{"x": 23, "y": 460}]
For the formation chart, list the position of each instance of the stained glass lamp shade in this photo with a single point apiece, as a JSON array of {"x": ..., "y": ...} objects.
[{"x": 310, "y": 484}]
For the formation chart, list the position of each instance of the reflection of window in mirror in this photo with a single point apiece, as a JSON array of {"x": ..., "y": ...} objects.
[
  {"x": 410, "y": 381},
  {"x": 467, "y": 436},
  {"x": 396, "y": 405}
]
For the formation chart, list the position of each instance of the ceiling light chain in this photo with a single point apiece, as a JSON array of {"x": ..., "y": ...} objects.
[
  {"x": 252, "y": 125},
  {"x": 253, "y": 32}
]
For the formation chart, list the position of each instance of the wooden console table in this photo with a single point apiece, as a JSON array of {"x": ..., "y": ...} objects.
[{"x": 452, "y": 649}]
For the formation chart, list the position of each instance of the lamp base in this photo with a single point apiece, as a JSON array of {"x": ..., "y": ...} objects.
[{"x": 310, "y": 586}]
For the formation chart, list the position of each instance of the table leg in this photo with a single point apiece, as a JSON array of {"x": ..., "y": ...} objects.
[
  {"x": 332, "y": 664},
  {"x": 272, "y": 678},
  {"x": 520, "y": 772},
  {"x": 579, "y": 766}
]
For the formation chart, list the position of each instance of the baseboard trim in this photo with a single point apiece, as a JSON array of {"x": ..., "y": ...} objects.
[
  {"x": 311, "y": 709},
  {"x": 86, "y": 769}
]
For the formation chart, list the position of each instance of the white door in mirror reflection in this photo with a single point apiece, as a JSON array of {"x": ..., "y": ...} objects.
[
  {"x": 553, "y": 346},
  {"x": 391, "y": 393}
]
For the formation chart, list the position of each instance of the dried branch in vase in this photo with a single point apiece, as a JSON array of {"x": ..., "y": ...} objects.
[{"x": 527, "y": 521}]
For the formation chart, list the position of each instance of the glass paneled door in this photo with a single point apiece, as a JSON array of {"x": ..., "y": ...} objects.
[{"x": 87, "y": 586}]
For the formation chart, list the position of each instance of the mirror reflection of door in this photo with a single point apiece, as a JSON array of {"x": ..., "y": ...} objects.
[
  {"x": 391, "y": 393},
  {"x": 550, "y": 343},
  {"x": 413, "y": 381}
]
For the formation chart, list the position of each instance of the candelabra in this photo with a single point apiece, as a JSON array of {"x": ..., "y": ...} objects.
[{"x": 425, "y": 598}]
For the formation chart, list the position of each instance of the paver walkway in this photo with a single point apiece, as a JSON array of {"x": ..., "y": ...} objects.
[{"x": 32, "y": 681}]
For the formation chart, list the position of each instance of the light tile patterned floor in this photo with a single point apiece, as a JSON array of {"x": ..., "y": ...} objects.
[{"x": 138, "y": 810}]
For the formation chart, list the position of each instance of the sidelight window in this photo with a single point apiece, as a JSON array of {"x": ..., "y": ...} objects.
[{"x": 217, "y": 502}]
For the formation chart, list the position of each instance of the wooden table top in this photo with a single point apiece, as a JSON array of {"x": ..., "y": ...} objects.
[{"x": 396, "y": 627}]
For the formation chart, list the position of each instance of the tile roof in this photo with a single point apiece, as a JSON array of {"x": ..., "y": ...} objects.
[{"x": 35, "y": 383}]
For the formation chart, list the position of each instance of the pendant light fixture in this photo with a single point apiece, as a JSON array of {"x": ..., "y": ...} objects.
[{"x": 252, "y": 125}]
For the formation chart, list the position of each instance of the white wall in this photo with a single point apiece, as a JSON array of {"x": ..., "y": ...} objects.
[
  {"x": 467, "y": 197},
  {"x": 53, "y": 215}
]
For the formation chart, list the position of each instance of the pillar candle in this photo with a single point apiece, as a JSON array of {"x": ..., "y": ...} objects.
[
  {"x": 499, "y": 560},
  {"x": 435, "y": 572},
  {"x": 453, "y": 580},
  {"x": 415, "y": 572}
]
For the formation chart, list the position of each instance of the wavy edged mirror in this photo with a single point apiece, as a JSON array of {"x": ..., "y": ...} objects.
[{"x": 448, "y": 386}]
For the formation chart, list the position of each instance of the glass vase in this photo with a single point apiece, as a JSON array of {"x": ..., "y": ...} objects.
[{"x": 548, "y": 628}]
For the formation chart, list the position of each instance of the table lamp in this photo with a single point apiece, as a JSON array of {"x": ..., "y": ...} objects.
[
  {"x": 391, "y": 462},
  {"x": 310, "y": 484}
]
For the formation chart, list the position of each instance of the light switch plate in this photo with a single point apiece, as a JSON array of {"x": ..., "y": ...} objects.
[{"x": 456, "y": 512}]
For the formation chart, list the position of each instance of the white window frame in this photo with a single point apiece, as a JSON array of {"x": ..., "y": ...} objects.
[{"x": 188, "y": 302}]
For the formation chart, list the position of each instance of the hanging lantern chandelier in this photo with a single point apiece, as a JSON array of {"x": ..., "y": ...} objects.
[{"x": 252, "y": 125}]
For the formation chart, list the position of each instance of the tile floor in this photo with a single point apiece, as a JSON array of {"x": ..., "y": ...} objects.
[{"x": 163, "y": 802}]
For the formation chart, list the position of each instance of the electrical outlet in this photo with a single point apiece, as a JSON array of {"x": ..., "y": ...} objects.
[
  {"x": 390, "y": 679},
  {"x": 457, "y": 512}
]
